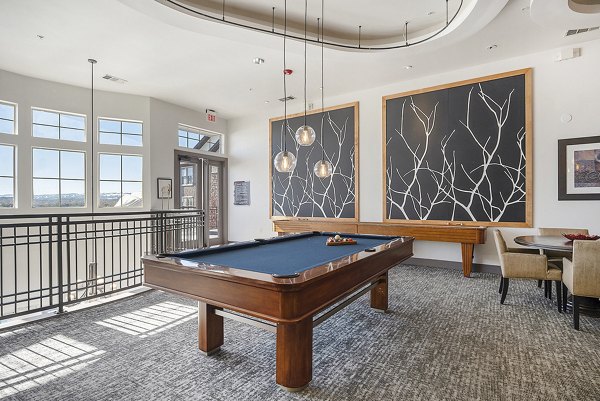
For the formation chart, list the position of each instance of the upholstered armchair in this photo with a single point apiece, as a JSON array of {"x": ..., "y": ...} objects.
[
  {"x": 581, "y": 276},
  {"x": 516, "y": 264}
]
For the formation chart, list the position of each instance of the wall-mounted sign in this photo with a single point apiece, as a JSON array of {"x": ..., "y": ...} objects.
[{"x": 241, "y": 193}]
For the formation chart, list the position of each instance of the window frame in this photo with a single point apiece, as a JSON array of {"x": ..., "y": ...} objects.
[
  {"x": 201, "y": 133},
  {"x": 85, "y": 133},
  {"x": 15, "y": 107},
  {"x": 98, "y": 180},
  {"x": 121, "y": 121},
  {"x": 85, "y": 180},
  {"x": 14, "y": 176}
]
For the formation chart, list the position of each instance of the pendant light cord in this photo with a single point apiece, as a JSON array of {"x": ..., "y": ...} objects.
[
  {"x": 93, "y": 201},
  {"x": 285, "y": 122},
  {"x": 305, "y": 16},
  {"x": 322, "y": 80}
]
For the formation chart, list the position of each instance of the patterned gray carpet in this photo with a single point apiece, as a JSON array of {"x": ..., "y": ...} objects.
[{"x": 446, "y": 338}]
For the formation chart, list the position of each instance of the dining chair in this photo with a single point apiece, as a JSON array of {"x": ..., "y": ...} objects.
[
  {"x": 581, "y": 276},
  {"x": 521, "y": 263},
  {"x": 556, "y": 257}
]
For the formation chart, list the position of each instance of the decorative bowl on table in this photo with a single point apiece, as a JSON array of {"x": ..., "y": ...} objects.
[{"x": 584, "y": 237}]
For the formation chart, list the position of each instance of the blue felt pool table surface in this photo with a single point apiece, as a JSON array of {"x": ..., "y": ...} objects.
[{"x": 282, "y": 256}]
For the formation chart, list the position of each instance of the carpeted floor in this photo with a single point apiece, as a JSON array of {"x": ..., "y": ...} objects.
[{"x": 446, "y": 338}]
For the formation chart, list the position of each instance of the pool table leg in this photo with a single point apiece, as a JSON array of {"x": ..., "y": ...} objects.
[
  {"x": 379, "y": 294},
  {"x": 210, "y": 329},
  {"x": 467, "y": 258},
  {"x": 294, "y": 354}
]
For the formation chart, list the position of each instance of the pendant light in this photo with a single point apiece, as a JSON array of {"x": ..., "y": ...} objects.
[
  {"x": 285, "y": 161},
  {"x": 323, "y": 167},
  {"x": 305, "y": 135}
]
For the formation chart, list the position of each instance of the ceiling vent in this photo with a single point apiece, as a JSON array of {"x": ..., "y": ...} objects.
[
  {"x": 572, "y": 32},
  {"x": 283, "y": 99},
  {"x": 112, "y": 78}
]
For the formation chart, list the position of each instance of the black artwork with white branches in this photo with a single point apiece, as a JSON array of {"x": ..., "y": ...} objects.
[
  {"x": 301, "y": 193},
  {"x": 458, "y": 153}
]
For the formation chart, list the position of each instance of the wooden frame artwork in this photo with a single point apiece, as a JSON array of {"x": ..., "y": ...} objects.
[
  {"x": 301, "y": 194},
  {"x": 579, "y": 168},
  {"x": 460, "y": 153}
]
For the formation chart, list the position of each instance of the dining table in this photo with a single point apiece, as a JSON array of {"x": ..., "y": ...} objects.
[
  {"x": 546, "y": 242},
  {"x": 589, "y": 306}
]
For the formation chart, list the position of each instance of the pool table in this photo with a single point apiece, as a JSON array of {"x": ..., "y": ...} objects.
[{"x": 286, "y": 284}]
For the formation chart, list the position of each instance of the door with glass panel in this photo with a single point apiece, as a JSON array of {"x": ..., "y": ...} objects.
[
  {"x": 214, "y": 202},
  {"x": 200, "y": 186}
]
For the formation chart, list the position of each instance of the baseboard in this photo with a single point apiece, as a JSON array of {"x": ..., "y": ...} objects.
[{"x": 477, "y": 267}]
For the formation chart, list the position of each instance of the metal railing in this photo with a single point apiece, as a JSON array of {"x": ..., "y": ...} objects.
[{"x": 49, "y": 261}]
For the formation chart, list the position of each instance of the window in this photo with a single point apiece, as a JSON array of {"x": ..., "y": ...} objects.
[
  {"x": 194, "y": 138},
  {"x": 187, "y": 176},
  {"x": 58, "y": 178},
  {"x": 57, "y": 125},
  {"x": 120, "y": 180},
  {"x": 7, "y": 176},
  {"x": 116, "y": 132},
  {"x": 8, "y": 114}
]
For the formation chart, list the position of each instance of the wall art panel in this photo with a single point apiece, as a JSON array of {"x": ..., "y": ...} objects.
[
  {"x": 460, "y": 153},
  {"x": 301, "y": 194}
]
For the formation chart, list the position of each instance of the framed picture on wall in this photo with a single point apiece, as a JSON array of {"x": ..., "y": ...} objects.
[
  {"x": 579, "y": 168},
  {"x": 165, "y": 188}
]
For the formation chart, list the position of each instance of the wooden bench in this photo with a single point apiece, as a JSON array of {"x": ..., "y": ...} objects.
[{"x": 466, "y": 236}]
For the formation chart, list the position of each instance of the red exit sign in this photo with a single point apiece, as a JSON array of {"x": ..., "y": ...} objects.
[{"x": 211, "y": 116}]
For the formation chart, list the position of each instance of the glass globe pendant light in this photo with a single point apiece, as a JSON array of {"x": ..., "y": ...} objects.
[
  {"x": 305, "y": 135},
  {"x": 323, "y": 168},
  {"x": 285, "y": 161}
]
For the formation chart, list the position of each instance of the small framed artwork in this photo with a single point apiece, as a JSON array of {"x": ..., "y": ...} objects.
[
  {"x": 579, "y": 168},
  {"x": 165, "y": 188}
]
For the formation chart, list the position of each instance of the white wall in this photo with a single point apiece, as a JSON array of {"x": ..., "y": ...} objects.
[
  {"x": 570, "y": 86},
  {"x": 164, "y": 118},
  {"x": 159, "y": 119}
]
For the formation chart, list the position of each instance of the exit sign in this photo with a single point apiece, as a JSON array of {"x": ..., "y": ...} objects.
[{"x": 211, "y": 116}]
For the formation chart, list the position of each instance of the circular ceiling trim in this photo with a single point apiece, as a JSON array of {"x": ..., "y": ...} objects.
[{"x": 179, "y": 6}]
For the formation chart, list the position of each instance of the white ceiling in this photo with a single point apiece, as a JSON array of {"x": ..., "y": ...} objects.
[{"x": 199, "y": 64}]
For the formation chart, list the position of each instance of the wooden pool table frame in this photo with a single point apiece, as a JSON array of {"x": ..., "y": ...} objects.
[{"x": 290, "y": 304}]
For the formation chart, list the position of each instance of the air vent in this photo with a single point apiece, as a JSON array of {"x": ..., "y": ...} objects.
[
  {"x": 283, "y": 99},
  {"x": 112, "y": 78},
  {"x": 572, "y": 32}
]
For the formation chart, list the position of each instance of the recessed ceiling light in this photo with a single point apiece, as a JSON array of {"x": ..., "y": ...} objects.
[
  {"x": 408, "y": 67},
  {"x": 258, "y": 60},
  {"x": 266, "y": 102},
  {"x": 40, "y": 37},
  {"x": 431, "y": 13},
  {"x": 492, "y": 47},
  {"x": 525, "y": 9}
]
